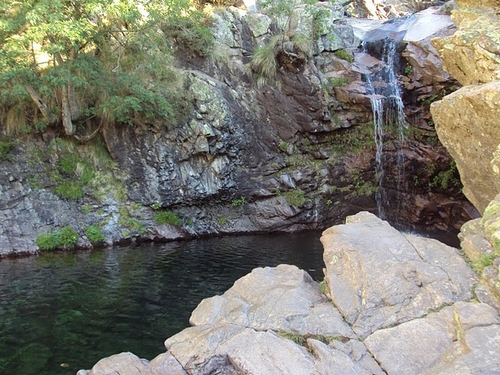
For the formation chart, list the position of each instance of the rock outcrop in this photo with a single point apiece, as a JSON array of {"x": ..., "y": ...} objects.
[
  {"x": 392, "y": 304},
  {"x": 249, "y": 153},
  {"x": 480, "y": 241},
  {"x": 467, "y": 120}
]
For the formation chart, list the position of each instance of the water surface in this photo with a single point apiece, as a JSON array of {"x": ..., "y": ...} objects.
[{"x": 61, "y": 312}]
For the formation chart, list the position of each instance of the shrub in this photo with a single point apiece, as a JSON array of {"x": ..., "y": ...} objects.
[
  {"x": 47, "y": 241},
  {"x": 264, "y": 59},
  {"x": 5, "y": 147},
  {"x": 67, "y": 237},
  {"x": 167, "y": 217},
  {"x": 67, "y": 163},
  {"x": 94, "y": 234}
]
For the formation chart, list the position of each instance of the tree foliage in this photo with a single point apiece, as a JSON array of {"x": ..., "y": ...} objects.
[{"x": 74, "y": 62}]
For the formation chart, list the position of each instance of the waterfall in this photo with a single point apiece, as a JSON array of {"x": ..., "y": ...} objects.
[
  {"x": 378, "y": 131},
  {"x": 388, "y": 111}
]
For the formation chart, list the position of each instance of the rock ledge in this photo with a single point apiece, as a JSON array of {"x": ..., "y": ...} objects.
[{"x": 397, "y": 304}]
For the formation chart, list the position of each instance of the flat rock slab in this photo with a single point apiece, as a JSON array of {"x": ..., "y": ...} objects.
[
  {"x": 459, "y": 339},
  {"x": 283, "y": 298},
  {"x": 379, "y": 277},
  {"x": 123, "y": 363}
]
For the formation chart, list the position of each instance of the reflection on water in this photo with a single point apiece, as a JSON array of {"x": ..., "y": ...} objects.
[{"x": 63, "y": 312}]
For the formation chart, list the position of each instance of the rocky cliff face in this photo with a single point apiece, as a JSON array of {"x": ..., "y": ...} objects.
[
  {"x": 249, "y": 153},
  {"x": 467, "y": 120}
]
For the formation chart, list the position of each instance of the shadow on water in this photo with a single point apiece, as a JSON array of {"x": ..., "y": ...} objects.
[{"x": 62, "y": 312}]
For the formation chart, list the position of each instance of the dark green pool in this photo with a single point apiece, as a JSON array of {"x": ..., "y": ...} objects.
[{"x": 62, "y": 312}]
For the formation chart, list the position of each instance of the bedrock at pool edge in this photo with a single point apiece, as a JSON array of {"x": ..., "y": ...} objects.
[{"x": 390, "y": 303}]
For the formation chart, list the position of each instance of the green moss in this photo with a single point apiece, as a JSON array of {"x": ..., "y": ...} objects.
[
  {"x": 167, "y": 217},
  {"x": 482, "y": 262},
  {"x": 367, "y": 188},
  {"x": 339, "y": 81},
  {"x": 285, "y": 147},
  {"x": 495, "y": 241},
  {"x": 69, "y": 190},
  {"x": 129, "y": 222},
  {"x": 351, "y": 141},
  {"x": 294, "y": 197},
  {"x": 322, "y": 287},
  {"x": 35, "y": 182},
  {"x": 491, "y": 210},
  {"x": 344, "y": 55},
  {"x": 87, "y": 175}
]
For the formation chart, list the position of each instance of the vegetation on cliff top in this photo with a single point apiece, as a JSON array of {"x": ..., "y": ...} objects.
[{"x": 87, "y": 63}]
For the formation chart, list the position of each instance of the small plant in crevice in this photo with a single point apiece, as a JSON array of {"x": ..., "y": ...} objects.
[
  {"x": 264, "y": 61},
  {"x": 323, "y": 288},
  {"x": 167, "y": 217},
  {"x": 344, "y": 55},
  {"x": 238, "y": 202},
  {"x": 408, "y": 69},
  {"x": 295, "y": 337},
  {"x": 447, "y": 179},
  {"x": 302, "y": 339},
  {"x": 483, "y": 261},
  {"x": 222, "y": 220},
  {"x": 156, "y": 206},
  {"x": 429, "y": 100}
]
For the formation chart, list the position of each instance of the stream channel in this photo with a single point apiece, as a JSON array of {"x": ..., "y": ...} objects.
[{"x": 61, "y": 312}]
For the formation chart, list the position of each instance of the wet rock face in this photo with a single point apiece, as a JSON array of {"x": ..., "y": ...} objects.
[
  {"x": 186, "y": 164},
  {"x": 291, "y": 152}
]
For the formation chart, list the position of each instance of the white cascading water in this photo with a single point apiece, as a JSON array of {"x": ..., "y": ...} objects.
[{"x": 388, "y": 110}]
